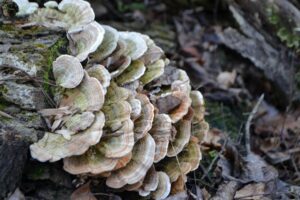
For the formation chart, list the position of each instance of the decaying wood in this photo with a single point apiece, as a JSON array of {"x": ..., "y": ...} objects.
[
  {"x": 24, "y": 64},
  {"x": 257, "y": 41}
]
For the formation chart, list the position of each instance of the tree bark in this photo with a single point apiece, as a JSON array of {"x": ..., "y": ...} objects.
[
  {"x": 26, "y": 56},
  {"x": 266, "y": 36}
]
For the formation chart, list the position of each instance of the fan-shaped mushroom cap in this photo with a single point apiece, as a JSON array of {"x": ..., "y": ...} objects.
[
  {"x": 200, "y": 129},
  {"x": 135, "y": 44},
  {"x": 55, "y": 111},
  {"x": 172, "y": 74},
  {"x": 163, "y": 188},
  {"x": 179, "y": 184},
  {"x": 84, "y": 42},
  {"x": 53, "y": 147},
  {"x": 144, "y": 123},
  {"x": 176, "y": 104},
  {"x": 50, "y": 18},
  {"x": 101, "y": 74},
  {"x": 122, "y": 162},
  {"x": 88, "y": 96},
  {"x": 108, "y": 45},
  {"x": 67, "y": 71},
  {"x": 186, "y": 161},
  {"x": 192, "y": 155},
  {"x": 78, "y": 13},
  {"x": 136, "y": 108},
  {"x": 133, "y": 72},
  {"x": 153, "y": 52},
  {"x": 79, "y": 122},
  {"x": 182, "y": 83},
  {"x": 116, "y": 94},
  {"x": 116, "y": 113},
  {"x": 116, "y": 55},
  {"x": 183, "y": 108},
  {"x": 135, "y": 186},
  {"x": 71, "y": 15},
  {"x": 93, "y": 161},
  {"x": 175, "y": 171},
  {"x": 161, "y": 133},
  {"x": 197, "y": 105},
  {"x": 150, "y": 182},
  {"x": 133, "y": 87},
  {"x": 182, "y": 136},
  {"x": 25, "y": 7},
  {"x": 119, "y": 66},
  {"x": 153, "y": 71},
  {"x": 65, "y": 133},
  {"x": 120, "y": 143},
  {"x": 136, "y": 169},
  {"x": 51, "y": 4}
]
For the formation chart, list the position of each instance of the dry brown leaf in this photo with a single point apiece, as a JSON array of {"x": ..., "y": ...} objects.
[
  {"x": 83, "y": 193},
  {"x": 257, "y": 170},
  {"x": 226, "y": 79},
  {"x": 178, "y": 196},
  {"x": 17, "y": 195},
  {"x": 213, "y": 139},
  {"x": 255, "y": 191},
  {"x": 226, "y": 190}
]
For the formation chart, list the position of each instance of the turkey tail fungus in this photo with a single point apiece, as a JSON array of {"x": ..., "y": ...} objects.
[{"x": 123, "y": 114}]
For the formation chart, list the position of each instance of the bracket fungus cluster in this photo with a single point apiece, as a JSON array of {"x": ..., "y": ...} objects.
[{"x": 124, "y": 114}]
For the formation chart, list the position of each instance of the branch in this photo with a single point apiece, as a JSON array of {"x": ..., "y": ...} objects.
[{"x": 248, "y": 124}]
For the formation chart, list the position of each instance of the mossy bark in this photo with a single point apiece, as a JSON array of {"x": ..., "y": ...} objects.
[
  {"x": 26, "y": 85},
  {"x": 267, "y": 36}
]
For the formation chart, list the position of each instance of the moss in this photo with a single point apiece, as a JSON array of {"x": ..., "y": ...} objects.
[
  {"x": 41, "y": 46},
  {"x": 57, "y": 49},
  {"x": 7, "y": 28},
  {"x": 3, "y": 103},
  {"x": 21, "y": 32},
  {"x": 123, "y": 7},
  {"x": 37, "y": 172},
  {"x": 284, "y": 29},
  {"x": 225, "y": 118}
]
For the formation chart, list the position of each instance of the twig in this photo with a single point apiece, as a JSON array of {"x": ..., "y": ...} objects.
[
  {"x": 4, "y": 114},
  {"x": 248, "y": 124},
  {"x": 102, "y": 194},
  {"x": 179, "y": 166},
  {"x": 51, "y": 102},
  {"x": 253, "y": 195},
  {"x": 214, "y": 161}
]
